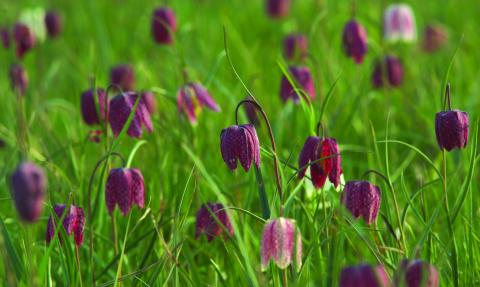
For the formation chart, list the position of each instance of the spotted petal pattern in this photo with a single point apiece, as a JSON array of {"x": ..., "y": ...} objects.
[
  {"x": 125, "y": 187},
  {"x": 362, "y": 199},
  {"x": 304, "y": 82},
  {"x": 73, "y": 223},
  {"x": 240, "y": 143},
  {"x": 451, "y": 128},
  {"x": 120, "y": 108},
  {"x": 208, "y": 225}
]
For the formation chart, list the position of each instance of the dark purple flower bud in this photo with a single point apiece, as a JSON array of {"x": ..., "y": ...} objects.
[
  {"x": 191, "y": 98},
  {"x": 240, "y": 142},
  {"x": 123, "y": 76},
  {"x": 451, "y": 128},
  {"x": 364, "y": 275},
  {"x": 164, "y": 25},
  {"x": 208, "y": 218},
  {"x": 278, "y": 8},
  {"x": 120, "y": 108},
  {"x": 304, "y": 84},
  {"x": 73, "y": 223},
  {"x": 5, "y": 37},
  {"x": 28, "y": 185},
  {"x": 150, "y": 102},
  {"x": 435, "y": 37},
  {"x": 89, "y": 106},
  {"x": 251, "y": 112},
  {"x": 391, "y": 68},
  {"x": 53, "y": 23},
  {"x": 18, "y": 79},
  {"x": 355, "y": 41},
  {"x": 125, "y": 187},
  {"x": 24, "y": 39},
  {"x": 416, "y": 273},
  {"x": 295, "y": 46},
  {"x": 362, "y": 199}
]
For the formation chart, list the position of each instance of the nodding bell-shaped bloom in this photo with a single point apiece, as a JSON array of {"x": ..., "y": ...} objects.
[
  {"x": 73, "y": 222},
  {"x": 123, "y": 76},
  {"x": 120, "y": 108},
  {"x": 150, "y": 102},
  {"x": 364, "y": 275},
  {"x": 399, "y": 24},
  {"x": 28, "y": 184},
  {"x": 53, "y": 23},
  {"x": 24, "y": 39},
  {"x": 295, "y": 46},
  {"x": 303, "y": 81},
  {"x": 390, "y": 69},
  {"x": 362, "y": 199},
  {"x": 451, "y": 128},
  {"x": 164, "y": 25},
  {"x": 240, "y": 142},
  {"x": 89, "y": 106},
  {"x": 434, "y": 37},
  {"x": 314, "y": 149},
  {"x": 191, "y": 98},
  {"x": 416, "y": 273},
  {"x": 251, "y": 112},
  {"x": 18, "y": 79},
  {"x": 208, "y": 218},
  {"x": 5, "y": 37},
  {"x": 355, "y": 41},
  {"x": 125, "y": 187},
  {"x": 278, "y": 8},
  {"x": 281, "y": 243}
]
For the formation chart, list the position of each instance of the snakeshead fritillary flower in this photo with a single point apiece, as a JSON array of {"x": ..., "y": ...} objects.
[
  {"x": 355, "y": 41},
  {"x": 313, "y": 150},
  {"x": 278, "y": 8},
  {"x": 28, "y": 185},
  {"x": 125, "y": 187},
  {"x": 295, "y": 46},
  {"x": 150, "y": 102},
  {"x": 18, "y": 79},
  {"x": 89, "y": 107},
  {"x": 24, "y": 39},
  {"x": 416, "y": 273},
  {"x": 209, "y": 225},
  {"x": 120, "y": 108},
  {"x": 53, "y": 23},
  {"x": 240, "y": 142},
  {"x": 399, "y": 24},
  {"x": 164, "y": 25},
  {"x": 362, "y": 199},
  {"x": 281, "y": 243},
  {"x": 393, "y": 72},
  {"x": 191, "y": 98},
  {"x": 73, "y": 222},
  {"x": 434, "y": 37},
  {"x": 364, "y": 275},
  {"x": 123, "y": 76},
  {"x": 5, "y": 37},
  {"x": 451, "y": 128},
  {"x": 304, "y": 83}
]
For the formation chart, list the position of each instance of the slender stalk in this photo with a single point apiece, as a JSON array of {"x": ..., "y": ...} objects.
[
  {"x": 114, "y": 233},
  {"x": 77, "y": 256}
]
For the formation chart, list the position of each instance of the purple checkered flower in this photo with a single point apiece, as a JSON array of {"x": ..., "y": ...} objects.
[
  {"x": 53, "y": 23},
  {"x": 89, "y": 107},
  {"x": 416, "y": 273},
  {"x": 208, "y": 218},
  {"x": 164, "y": 25},
  {"x": 120, "y": 108},
  {"x": 399, "y": 23},
  {"x": 364, "y": 275},
  {"x": 73, "y": 223},
  {"x": 278, "y": 8},
  {"x": 125, "y": 187},
  {"x": 295, "y": 46},
  {"x": 123, "y": 76},
  {"x": 24, "y": 39},
  {"x": 362, "y": 199},
  {"x": 451, "y": 128},
  {"x": 18, "y": 79},
  {"x": 303, "y": 81},
  {"x": 191, "y": 98},
  {"x": 150, "y": 102},
  {"x": 5, "y": 37},
  {"x": 240, "y": 142},
  {"x": 391, "y": 69},
  {"x": 355, "y": 41}
]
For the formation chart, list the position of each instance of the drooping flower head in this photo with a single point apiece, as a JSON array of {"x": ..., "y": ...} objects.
[
  {"x": 304, "y": 82},
  {"x": 120, "y": 108},
  {"x": 355, "y": 41},
  {"x": 164, "y": 25},
  {"x": 416, "y": 273},
  {"x": 18, "y": 79},
  {"x": 208, "y": 218},
  {"x": 295, "y": 46},
  {"x": 150, "y": 102},
  {"x": 73, "y": 223},
  {"x": 451, "y": 129},
  {"x": 89, "y": 106},
  {"x": 28, "y": 184},
  {"x": 435, "y": 36},
  {"x": 390, "y": 69},
  {"x": 278, "y": 8},
  {"x": 240, "y": 143},
  {"x": 281, "y": 243},
  {"x": 5, "y": 37},
  {"x": 362, "y": 199},
  {"x": 399, "y": 23},
  {"x": 123, "y": 76},
  {"x": 364, "y": 275},
  {"x": 251, "y": 112},
  {"x": 24, "y": 39},
  {"x": 125, "y": 187},
  {"x": 191, "y": 98},
  {"x": 323, "y": 157},
  {"x": 53, "y": 23}
]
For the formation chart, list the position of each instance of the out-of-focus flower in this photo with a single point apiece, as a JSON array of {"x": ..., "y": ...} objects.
[
  {"x": 125, "y": 187},
  {"x": 434, "y": 37},
  {"x": 191, "y": 98},
  {"x": 89, "y": 106},
  {"x": 150, "y": 102},
  {"x": 364, "y": 275},
  {"x": 295, "y": 46},
  {"x": 399, "y": 23},
  {"x": 362, "y": 199},
  {"x": 5, "y": 37},
  {"x": 123, "y": 76},
  {"x": 28, "y": 184},
  {"x": 53, "y": 23},
  {"x": 451, "y": 128},
  {"x": 240, "y": 142},
  {"x": 18, "y": 79},
  {"x": 391, "y": 69},
  {"x": 278, "y": 8},
  {"x": 73, "y": 222},
  {"x": 304, "y": 82},
  {"x": 416, "y": 273},
  {"x": 120, "y": 108},
  {"x": 164, "y": 25},
  {"x": 24, "y": 39},
  {"x": 208, "y": 218},
  {"x": 251, "y": 112},
  {"x": 355, "y": 41}
]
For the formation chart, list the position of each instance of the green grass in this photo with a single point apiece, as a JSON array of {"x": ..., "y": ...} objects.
[{"x": 388, "y": 130}]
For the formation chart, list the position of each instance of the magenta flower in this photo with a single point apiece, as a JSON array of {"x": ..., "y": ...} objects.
[
  {"x": 434, "y": 37},
  {"x": 5, "y": 37},
  {"x": 295, "y": 46},
  {"x": 53, "y": 23},
  {"x": 18, "y": 79},
  {"x": 362, "y": 199},
  {"x": 355, "y": 41},
  {"x": 208, "y": 218},
  {"x": 364, "y": 275},
  {"x": 399, "y": 23},
  {"x": 191, "y": 98},
  {"x": 28, "y": 184},
  {"x": 313, "y": 150},
  {"x": 278, "y": 8},
  {"x": 164, "y": 25},
  {"x": 123, "y": 76},
  {"x": 240, "y": 142},
  {"x": 73, "y": 222},
  {"x": 89, "y": 106},
  {"x": 304, "y": 82},
  {"x": 125, "y": 187},
  {"x": 391, "y": 69},
  {"x": 416, "y": 273},
  {"x": 451, "y": 128},
  {"x": 120, "y": 108},
  {"x": 150, "y": 102},
  {"x": 24, "y": 39},
  {"x": 281, "y": 243}
]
